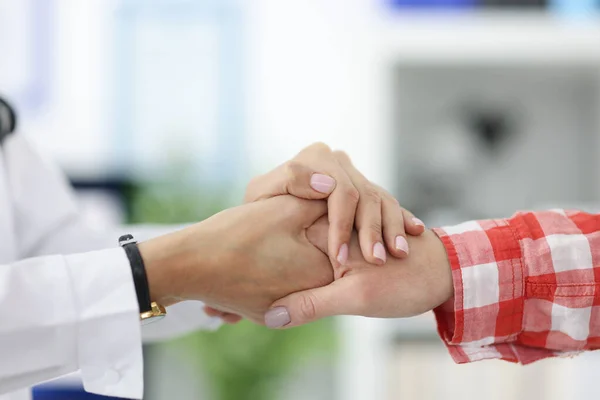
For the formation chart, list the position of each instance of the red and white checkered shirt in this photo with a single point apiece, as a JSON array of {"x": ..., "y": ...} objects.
[{"x": 525, "y": 288}]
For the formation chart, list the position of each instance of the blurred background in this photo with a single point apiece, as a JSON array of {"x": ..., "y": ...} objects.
[{"x": 160, "y": 111}]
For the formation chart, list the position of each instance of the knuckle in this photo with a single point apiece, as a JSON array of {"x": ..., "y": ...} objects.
[
  {"x": 307, "y": 307},
  {"x": 345, "y": 225},
  {"x": 393, "y": 201},
  {"x": 294, "y": 170},
  {"x": 375, "y": 228},
  {"x": 352, "y": 194},
  {"x": 342, "y": 156},
  {"x": 371, "y": 193},
  {"x": 250, "y": 194},
  {"x": 319, "y": 147},
  {"x": 293, "y": 167}
]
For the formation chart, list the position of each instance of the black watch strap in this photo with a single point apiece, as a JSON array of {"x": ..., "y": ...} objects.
[{"x": 138, "y": 270}]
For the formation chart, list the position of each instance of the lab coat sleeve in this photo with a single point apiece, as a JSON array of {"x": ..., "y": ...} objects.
[
  {"x": 65, "y": 313},
  {"x": 182, "y": 318},
  {"x": 48, "y": 222}
]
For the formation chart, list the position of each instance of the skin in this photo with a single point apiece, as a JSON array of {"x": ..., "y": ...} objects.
[
  {"x": 352, "y": 201},
  {"x": 243, "y": 259},
  {"x": 402, "y": 288},
  {"x": 240, "y": 260}
]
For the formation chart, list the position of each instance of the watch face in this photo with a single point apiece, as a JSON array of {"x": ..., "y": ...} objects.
[{"x": 150, "y": 320}]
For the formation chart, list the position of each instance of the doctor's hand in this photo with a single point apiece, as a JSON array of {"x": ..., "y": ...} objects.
[
  {"x": 401, "y": 288},
  {"x": 240, "y": 260},
  {"x": 353, "y": 201}
]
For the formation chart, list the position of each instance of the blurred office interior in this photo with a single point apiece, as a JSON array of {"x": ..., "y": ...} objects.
[{"x": 159, "y": 112}]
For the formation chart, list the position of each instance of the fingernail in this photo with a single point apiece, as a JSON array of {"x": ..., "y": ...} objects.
[
  {"x": 277, "y": 317},
  {"x": 343, "y": 254},
  {"x": 418, "y": 222},
  {"x": 379, "y": 251},
  {"x": 401, "y": 244},
  {"x": 322, "y": 183}
]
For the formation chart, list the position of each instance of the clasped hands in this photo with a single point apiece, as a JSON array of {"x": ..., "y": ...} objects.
[{"x": 314, "y": 239}]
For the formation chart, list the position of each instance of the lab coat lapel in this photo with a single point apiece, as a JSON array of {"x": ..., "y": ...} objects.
[{"x": 38, "y": 190}]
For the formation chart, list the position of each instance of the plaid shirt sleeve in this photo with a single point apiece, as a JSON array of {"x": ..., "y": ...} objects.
[{"x": 525, "y": 288}]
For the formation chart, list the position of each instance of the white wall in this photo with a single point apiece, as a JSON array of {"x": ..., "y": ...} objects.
[
  {"x": 73, "y": 125},
  {"x": 314, "y": 76}
]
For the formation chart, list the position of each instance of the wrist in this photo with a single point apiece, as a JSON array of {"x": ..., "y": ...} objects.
[
  {"x": 172, "y": 261},
  {"x": 439, "y": 258},
  {"x": 161, "y": 271}
]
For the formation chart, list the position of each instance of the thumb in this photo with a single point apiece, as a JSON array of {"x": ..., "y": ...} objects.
[
  {"x": 300, "y": 211},
  {"x": 337, "y": 298},
  {"x": 291, "y": 178},
  {"x": 318, "y": 234}
]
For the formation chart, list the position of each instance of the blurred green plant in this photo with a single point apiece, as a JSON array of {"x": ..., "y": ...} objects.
[
  {"x": 249, "y": 362},
  {"x": 243, "y": 361}
]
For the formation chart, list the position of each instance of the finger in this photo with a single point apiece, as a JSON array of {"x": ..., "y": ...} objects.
[
  {"x": 343, "y": 197},
  {"x": 368, "y": 213},
  {"x": 342, "y": 203},
  {"x": 337, "y": 298},
  {"x": 290, "y": 178},
  {"x": 301, "y": 212},
  {"x": 213, "y": 312},
  {"x": 369, "y": 225},
  {"x": 341, "y": 214},
  {"x": 393, "y": 228},
  {"x": 317, "y": 234},
  {"x": 227, "y": 317},
  {"x": 413, "y": 225},
  {"x": 231, "y": 319}
]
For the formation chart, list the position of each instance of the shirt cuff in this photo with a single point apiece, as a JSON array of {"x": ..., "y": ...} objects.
[
  {"x": 486, "y": 312},
  {"x": 108, "y": 323}
]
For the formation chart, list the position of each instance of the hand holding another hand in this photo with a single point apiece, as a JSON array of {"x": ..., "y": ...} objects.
[
  {"x": 317, "y": 172},
  {"x": 401, "y": 288},
  {"x": 243, "y": 259},
  {"x": 240, "y": 260},
  {"x": 353, "y": 202},
  {"x": 398, "y": 286}
]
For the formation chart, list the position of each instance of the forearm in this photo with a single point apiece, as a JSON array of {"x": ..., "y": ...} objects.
[
  {"x": 524, "y": 286},
  {"x": 168, "y": 259},
  {"x": 73, "y": 235}
]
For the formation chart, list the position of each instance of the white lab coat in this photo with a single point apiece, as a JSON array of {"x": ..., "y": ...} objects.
[{"x": 66, "y": 305}]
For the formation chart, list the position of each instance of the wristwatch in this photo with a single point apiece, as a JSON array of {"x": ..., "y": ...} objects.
[{"x": 150, "y": 311}]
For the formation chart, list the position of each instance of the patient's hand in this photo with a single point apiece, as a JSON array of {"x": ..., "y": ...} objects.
[
  {"x": 352, "y": 201},
  {"x": 401, "y": 288}
]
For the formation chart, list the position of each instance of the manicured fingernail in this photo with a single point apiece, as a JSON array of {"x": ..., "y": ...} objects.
[
  {"x": 418, "y": 222},
  {"x": 379, "y": 251},
  {"x": 277, "y": 317},
  {"x": 343, "y": 254},
  {"x": 322, "y": 183},
  {"x": 401, "y": 244}
]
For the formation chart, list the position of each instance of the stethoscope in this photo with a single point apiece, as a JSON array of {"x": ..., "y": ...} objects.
[
  {"x": 8, "y": 120},
  {"x": 7, "y": 126}
]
